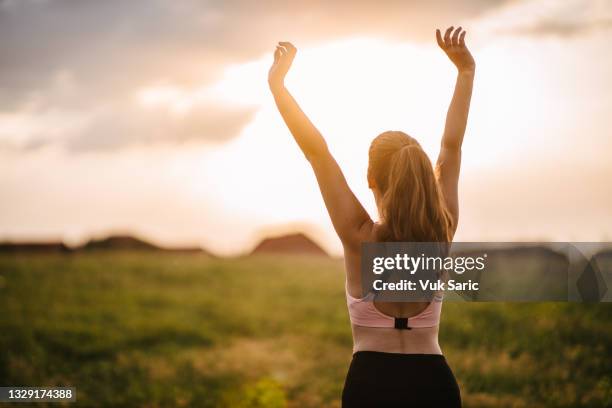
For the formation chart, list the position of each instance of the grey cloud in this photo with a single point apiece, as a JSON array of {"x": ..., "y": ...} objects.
[
  {"x": 81, "y": 55},
  {"x": 114, "y": 131},
  {"x": 124, "y": 126},
  {"x": 116, "y": 43},
  {"x": 105, "y": 45},
  {"x": 561, "y": 28}
]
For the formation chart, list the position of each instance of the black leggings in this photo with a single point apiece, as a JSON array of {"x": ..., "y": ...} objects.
[{"x": 378, "y": 379}]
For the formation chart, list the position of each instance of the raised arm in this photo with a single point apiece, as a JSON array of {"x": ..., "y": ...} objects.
[
  {"x": 449, "y": 160},
  {"x": 350, "y": 220}
]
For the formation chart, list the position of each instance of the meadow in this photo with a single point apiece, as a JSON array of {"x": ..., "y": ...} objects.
[{"x": 150, "y": 329}]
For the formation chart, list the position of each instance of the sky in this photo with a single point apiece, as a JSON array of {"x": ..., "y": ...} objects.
[{"x": 154, "y": 117}]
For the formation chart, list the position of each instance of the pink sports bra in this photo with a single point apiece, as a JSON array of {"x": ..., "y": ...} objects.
[{"x": 363, "y": 312}]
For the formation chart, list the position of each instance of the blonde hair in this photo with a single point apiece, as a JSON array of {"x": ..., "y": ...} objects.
[{"x": 411, "y": 206}]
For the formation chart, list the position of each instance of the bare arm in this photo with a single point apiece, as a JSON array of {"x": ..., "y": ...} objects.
[
  {"x": 449, "y": 160},
  {"x": 348, "y": 216}
]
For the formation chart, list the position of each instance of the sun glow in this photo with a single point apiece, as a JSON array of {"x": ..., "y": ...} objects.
[{"x": 353, "y": 90}]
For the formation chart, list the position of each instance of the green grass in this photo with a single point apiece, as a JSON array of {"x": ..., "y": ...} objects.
[{"x": 159, "y": 330}]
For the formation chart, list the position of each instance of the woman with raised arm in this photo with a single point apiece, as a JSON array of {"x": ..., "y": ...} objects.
[{"x": 393, "y": 365}]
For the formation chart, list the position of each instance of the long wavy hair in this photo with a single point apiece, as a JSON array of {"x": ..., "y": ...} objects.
[{"x": 411, "y": 205}]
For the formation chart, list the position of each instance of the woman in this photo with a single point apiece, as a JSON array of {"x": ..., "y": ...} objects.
[{"x": 392, "y": 365}]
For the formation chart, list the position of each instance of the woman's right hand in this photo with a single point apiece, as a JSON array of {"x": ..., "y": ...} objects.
[
  {"x": 453, "y": 44},
  {"x": 283, "y": 57}
]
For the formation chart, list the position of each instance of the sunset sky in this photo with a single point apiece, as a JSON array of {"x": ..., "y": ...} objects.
[{"x": 154, "y": 117}]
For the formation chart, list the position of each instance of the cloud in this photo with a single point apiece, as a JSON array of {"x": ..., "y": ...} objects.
[
  {"x": 83, "y": 60},
  {"x": 121, "y": 126},
  {"x": 111, "y": 130},
  {"x": 120, "y": 42},
  {"x": 544, "y": 18},
  {"x": 560, "y": 28}
]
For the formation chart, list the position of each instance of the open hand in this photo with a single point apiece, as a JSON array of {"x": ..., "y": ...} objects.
[
  {"x": 453, "y": 44},
  {"x": 283, "y": 57}
]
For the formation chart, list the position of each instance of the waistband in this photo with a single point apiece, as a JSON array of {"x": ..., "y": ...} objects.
[{"x": 411, "y": 356}]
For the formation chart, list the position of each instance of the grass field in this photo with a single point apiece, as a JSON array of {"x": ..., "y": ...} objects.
[{"x": 160, "y": 330}]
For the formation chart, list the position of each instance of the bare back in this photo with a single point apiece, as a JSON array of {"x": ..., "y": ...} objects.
[{"x": 389, "y": 340}]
